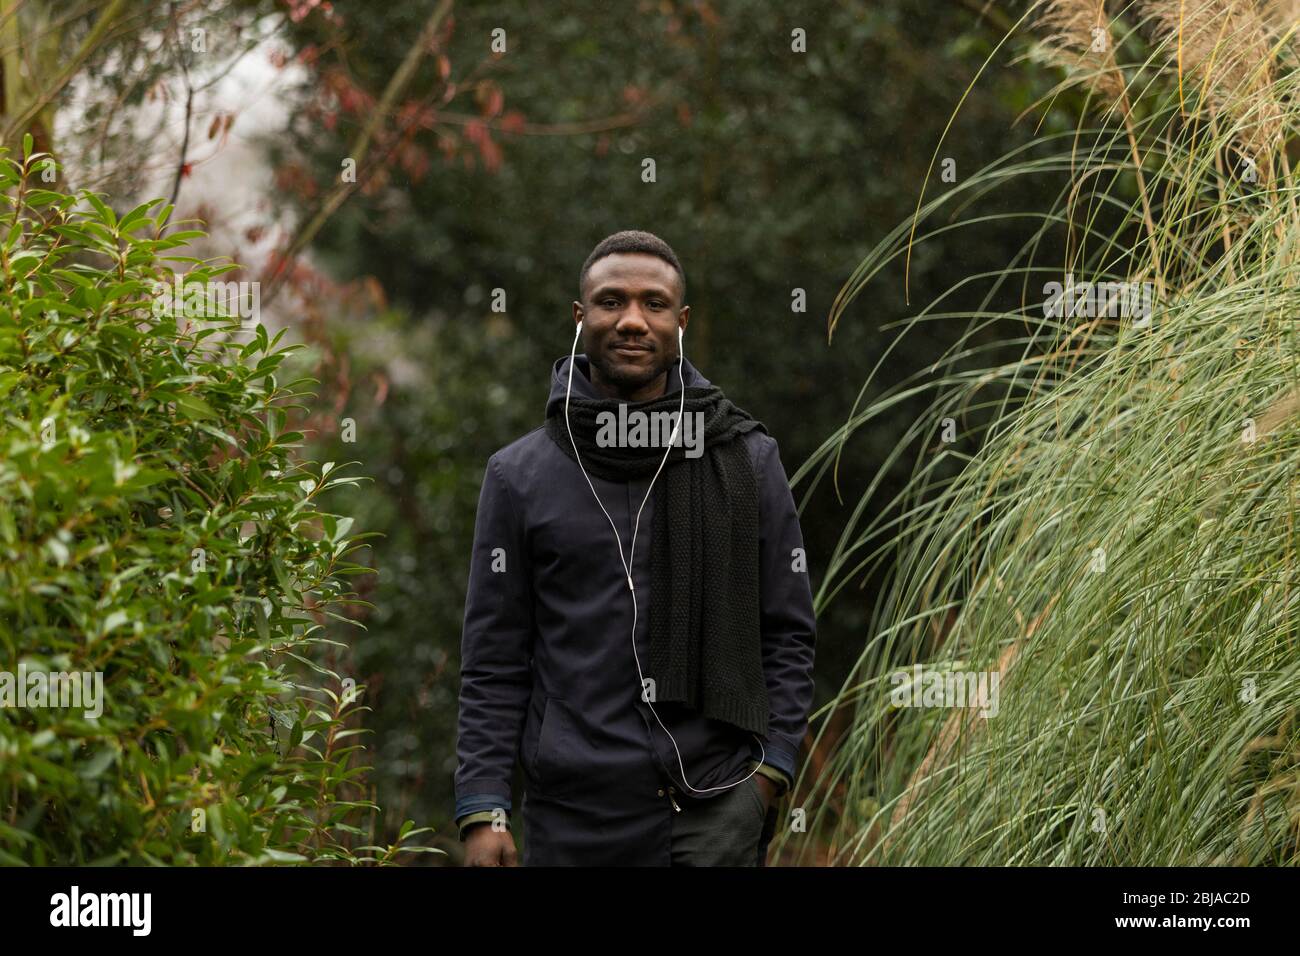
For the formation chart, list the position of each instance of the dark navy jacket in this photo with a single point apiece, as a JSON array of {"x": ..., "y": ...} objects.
[{"x": 547, "y": 670}]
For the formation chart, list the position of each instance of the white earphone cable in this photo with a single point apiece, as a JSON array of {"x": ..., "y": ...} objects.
[{"x": 627, "y": 562}]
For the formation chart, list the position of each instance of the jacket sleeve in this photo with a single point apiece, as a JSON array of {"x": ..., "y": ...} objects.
[
  {"x": 496, "y": 646},
  {"x": 788, "y": 624}
]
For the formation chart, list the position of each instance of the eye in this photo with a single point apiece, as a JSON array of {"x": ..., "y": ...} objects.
[{"x": 609, "y": 303}]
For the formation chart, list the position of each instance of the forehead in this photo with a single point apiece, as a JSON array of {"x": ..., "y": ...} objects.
[{"x": 632, "y": 270}]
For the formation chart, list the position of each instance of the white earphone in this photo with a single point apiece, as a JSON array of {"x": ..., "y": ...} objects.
[{"x": 627, "y": 562}]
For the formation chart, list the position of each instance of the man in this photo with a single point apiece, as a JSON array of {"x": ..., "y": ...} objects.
[{"x": 630, "y": 751}]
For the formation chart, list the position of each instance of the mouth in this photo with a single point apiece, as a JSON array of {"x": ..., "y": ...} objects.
[{"x": 630, "y": 349}]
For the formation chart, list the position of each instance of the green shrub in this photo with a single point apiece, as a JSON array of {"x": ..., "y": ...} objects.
[{"x": 156, "y": 529}]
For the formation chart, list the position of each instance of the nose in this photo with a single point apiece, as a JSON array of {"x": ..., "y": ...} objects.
[{"x": 632, "y": 322}]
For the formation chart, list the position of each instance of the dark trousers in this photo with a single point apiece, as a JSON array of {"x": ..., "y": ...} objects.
[{"x": 727, "y": 829}]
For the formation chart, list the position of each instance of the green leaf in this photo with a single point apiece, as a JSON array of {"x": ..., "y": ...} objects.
[
  {"x": 283, "y": 856},
  {"x": 137, "y": 216},
  {"x": 260, "y": 621},
  {"x": 216, "y": 433},
  {"x": 105, "y": 213},
  {"x": 113, "y": 621},
  {"x": 95, "y": 767},
  {"x": 194, "y": 406}
]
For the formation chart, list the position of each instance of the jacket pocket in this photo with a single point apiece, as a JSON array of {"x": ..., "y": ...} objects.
[{"x": 556, "y": 741}]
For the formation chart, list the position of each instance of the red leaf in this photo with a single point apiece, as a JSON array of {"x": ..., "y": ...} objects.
[{"x": 513, "y": 122}]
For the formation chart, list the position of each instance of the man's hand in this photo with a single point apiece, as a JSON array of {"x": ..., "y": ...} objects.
[
  {"x": 768, "y": 789},
  {"x": 487, "y": 847}
]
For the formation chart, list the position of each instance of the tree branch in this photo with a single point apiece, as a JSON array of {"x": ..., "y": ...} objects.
[{"x": 361, "y": 146}]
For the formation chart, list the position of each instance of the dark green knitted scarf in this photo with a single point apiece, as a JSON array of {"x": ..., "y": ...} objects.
[{"x": 705, "y": 638}]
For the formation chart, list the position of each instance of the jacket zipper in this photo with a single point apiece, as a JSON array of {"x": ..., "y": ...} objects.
[{"x": 672, "y": 801}]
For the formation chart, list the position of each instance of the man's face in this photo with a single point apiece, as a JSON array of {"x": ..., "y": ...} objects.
[{"x": 630, "y": 315}]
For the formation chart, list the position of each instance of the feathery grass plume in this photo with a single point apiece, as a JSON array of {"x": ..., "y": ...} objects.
[
  {"x": 1283, "y": 18},
  {"x": 1107, "y": 522},
  {"x": 1227, "y": 48},
  {"x": 1076, "y": 36}
]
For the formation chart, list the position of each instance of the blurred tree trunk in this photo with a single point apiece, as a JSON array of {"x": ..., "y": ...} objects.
[{"x": 30, "y": 37}]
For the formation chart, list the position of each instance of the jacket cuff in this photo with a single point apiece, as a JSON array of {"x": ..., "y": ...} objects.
[
  {"x": 776, "y": 754},
  {"x": 779, "y": 777},
  {"x": 478, "y": 816},
  {"x": 486, "y": 799}
]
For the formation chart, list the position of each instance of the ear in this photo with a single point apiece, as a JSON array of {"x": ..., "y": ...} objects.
[
  {"x": 683, "y": 317},
  {"x": 577, "y": 312}
]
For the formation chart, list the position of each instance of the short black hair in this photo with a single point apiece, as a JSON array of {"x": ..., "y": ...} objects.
[{"x": 632, "y": 240}]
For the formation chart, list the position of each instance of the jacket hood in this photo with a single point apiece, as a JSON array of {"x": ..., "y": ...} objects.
[{"x": 582, "y": 387}]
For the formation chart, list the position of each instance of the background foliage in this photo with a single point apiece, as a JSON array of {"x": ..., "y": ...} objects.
[
  {"x": 432, "y": 292},
  {"x": 774, "y": 170}
]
